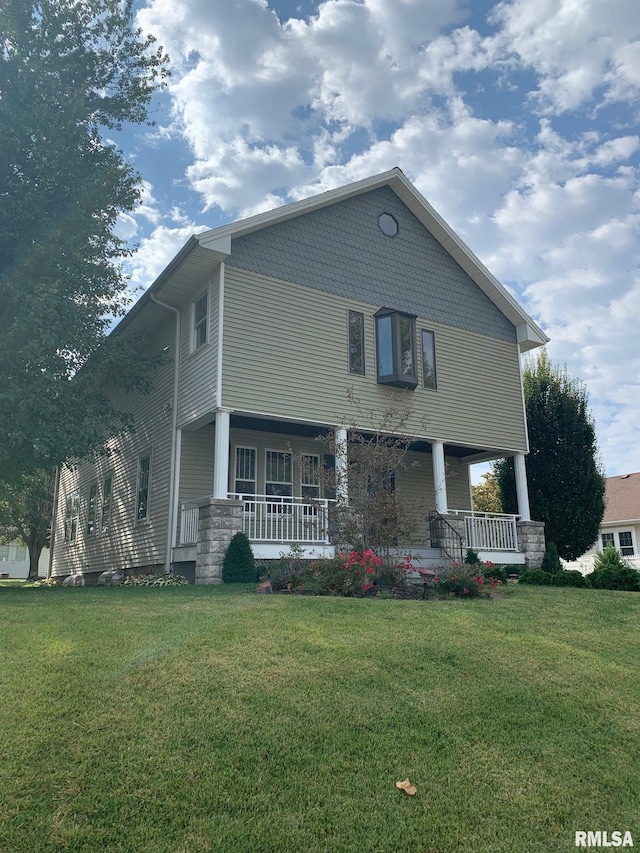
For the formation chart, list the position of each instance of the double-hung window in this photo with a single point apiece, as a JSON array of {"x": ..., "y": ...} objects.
[
  {"x": 626, "y": 543},
  {"x": 71, "y": 516},
  {"x": 144, "y": 482},
  {"x": 310, "y": 482},
  {"x": 200, "y": 321},
  {"x": 105, "y": 508},
  {"x": 245, "y": 478},
  {"x": 91, "y": 509},
  {"x": 279, "y": 479},
  {"x": 396, "y": 349}
]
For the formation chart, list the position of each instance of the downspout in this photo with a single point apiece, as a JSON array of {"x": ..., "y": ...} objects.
[{"x": 173, "y": 491}]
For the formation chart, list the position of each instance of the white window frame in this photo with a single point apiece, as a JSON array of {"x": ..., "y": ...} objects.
[
  {"x": 105, "y": 507},
  {"x": 615, "y": 532},
  {"x": 203, "y": 321},
  {"x": 433, "y": 387},
  {"x": 71, "y": 517},
  {"x": 138, "y": 518},
  {"x": 281, "y": 505},
  {"x": 92, "y": 506},
  {"x": 253, "y": 450}
]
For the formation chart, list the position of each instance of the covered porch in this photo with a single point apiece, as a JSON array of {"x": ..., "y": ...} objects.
[{"x": 266, "y": 482}]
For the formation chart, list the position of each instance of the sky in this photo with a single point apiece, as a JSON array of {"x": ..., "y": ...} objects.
[{"x": 517, "y": 120}]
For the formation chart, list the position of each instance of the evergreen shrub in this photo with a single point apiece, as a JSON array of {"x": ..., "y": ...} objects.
[
  {"x": 569, "y": 578},
  {"x": 239, "y": 565},
  {"x": 551, "y": 561},
  {"x": 537, "y": 577}
]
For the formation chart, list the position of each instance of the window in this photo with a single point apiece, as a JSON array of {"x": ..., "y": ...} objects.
[
  {"x": 245, "y": 481},
  {"x": 200, "y": 321},
  {"x": 310, "y": 476},
  {"x": 105, "y": 510},
  {"x": 608, "y": 539},
  {"x": 429, "y": 359},
  {"x": 388, "y": 224},
  {"x": 4, "y": 553},
  {"x": 626, "y": 543},
  {"x": 142, "y": 501},
  {"x": 21, "y": 553},
  {"x": 396, "y": 349},
  {"x": 356, "y": 342},
  {"x": 71, "y": 516},
  {"x": 278, "y": 478},
  {"x": 91, "y": 509}
]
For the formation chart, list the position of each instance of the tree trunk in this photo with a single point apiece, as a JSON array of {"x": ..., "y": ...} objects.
[{"x": 34, "y": 559}]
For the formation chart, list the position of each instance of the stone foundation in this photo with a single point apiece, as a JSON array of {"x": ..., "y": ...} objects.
[
  {"x": 531, "y": 541},
  {"x": 218, "y": 522}
]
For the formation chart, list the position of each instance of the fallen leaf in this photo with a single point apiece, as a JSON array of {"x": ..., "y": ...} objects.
[
  {"x": 465, "y": 673},
  {"x": 407, "y": 787}
]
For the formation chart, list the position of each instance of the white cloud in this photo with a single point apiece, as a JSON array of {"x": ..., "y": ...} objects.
[{"x": 278, "y": 110}]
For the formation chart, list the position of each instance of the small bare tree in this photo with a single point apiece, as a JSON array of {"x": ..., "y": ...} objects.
[{"x": 375, "y": 514}]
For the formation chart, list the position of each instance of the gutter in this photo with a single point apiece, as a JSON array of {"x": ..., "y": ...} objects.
[{"x": 175, "y": 458}]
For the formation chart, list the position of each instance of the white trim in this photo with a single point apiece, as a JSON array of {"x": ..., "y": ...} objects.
[
  {"x": 237, "y": 447},
  {"x": 193, "y": 348},
  {"x": 221, "y": 454},
  {"x": 616, "y": 531},
  {"x": 220, "y": 335},
  {"x": 281, "y": 452},
  {"x": 522, "y": 489},
  {"x": 341, "y": 451},
  {"x": 439, "y": 476}
]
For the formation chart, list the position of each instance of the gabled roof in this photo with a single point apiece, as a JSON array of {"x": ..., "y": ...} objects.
[
  {"x": 622, "y": 499},
  {"x": 218, "y": 242}
]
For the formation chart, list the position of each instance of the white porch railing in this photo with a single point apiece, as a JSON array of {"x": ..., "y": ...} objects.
[
  {"x": 488, "y": 531},
  {"x": 269, "y": 518},
  {"x": 277, "y": 518}
]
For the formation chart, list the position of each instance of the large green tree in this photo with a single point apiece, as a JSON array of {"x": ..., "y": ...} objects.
[
  {"x": 26, "y": 504},
  {"x": 71, "y": 72},
  {"x": 565, "y": 477}
]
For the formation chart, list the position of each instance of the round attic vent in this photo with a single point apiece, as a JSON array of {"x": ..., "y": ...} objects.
[{"x": 388, "y": 224}]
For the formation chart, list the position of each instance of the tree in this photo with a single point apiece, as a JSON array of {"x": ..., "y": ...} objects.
[
  {"x": 564, "y": 474},
  {"x": 486, "y": 494},
  {"x": 69, "y": 71},
  {"x": 25, "y": 513}
]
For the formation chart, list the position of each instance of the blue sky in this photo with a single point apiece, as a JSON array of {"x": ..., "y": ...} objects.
[{"x": 517, "y": 120}]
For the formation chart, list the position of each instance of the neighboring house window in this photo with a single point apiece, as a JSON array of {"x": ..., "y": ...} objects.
[
  {"x": 4, "y": 553},
  {"x": 429, "y": 359},
  {"x": 144, "y": 477},
  {"x": 71, "y": 516},
  {"x": 626, "y": 543},
  {"x": 91, "y": 509},
  {"x": 21, "y": 553},
  {"x": 396, "y": 349},
  {"x": 245, "y": 480},
  {"x": 200, "y": 321},
  {"x": 356, "y": 342},
  {"x": 278, "y": 474},
  {"x": 608, "y": 539},
  {"x": 105, "y": 510}
]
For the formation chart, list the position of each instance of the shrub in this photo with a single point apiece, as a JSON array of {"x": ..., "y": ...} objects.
[
  {"x": 569, "y": 577},
  {"x": 609, "y": 559},
  {"x": 239, "y": 565},
  {"x": 472, "y": 558},
  {"x": 291, "y": 571},
  {"x": 536, "y": 576},
  {"x": 351, "y": 574},
  {"x": 462, "y": 581},
  {"x": 551, "y": 561},
  {"x": 489, "y": 571},
  {"x": 165, "y": 579},
  {"x": 622, "y": 578}
]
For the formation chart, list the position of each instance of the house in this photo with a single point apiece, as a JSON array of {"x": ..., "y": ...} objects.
[
  {"x": 620, "y": 525},
  {"x": 271, "y": 324}
]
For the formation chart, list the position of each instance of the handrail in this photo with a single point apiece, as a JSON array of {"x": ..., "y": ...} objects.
[{"x": 448, "y": 538}]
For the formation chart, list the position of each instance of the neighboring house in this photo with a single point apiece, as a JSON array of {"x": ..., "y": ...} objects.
[
  {"x": 620, "y": 524},
  {"x": 269, "y": 324},
  {"x": 14, "y": 561}
]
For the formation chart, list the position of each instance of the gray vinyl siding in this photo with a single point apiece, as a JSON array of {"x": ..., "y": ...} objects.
[
  {"x": 196, "y": 466},
  {"x": 127, "y": 543},
  {"x": 341, "y": 250},
  {"x": 287, "y": 356},
  {"x": 198, "y": 369}
]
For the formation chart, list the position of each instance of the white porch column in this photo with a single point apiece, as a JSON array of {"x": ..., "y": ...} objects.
[
  {"x": 522, "y": 490},
  {"x": 439, "y": 477},
  {"x": 342, "y": 466},
  {"x": 221, "y": 455}
]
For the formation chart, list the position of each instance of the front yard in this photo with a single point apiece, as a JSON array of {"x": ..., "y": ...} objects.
[{"x": 213, "y": 719}]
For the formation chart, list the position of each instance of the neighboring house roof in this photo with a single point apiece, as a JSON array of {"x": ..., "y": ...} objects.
[
  {"x": 622, "y": 499},
  {"x": 199, "y": 248}
]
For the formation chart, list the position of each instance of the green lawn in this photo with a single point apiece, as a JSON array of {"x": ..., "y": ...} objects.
[{"x": 212, "y": 719}]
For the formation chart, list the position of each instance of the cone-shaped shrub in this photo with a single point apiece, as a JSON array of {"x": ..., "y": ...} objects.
[
  {"x": 551, "y": 562},
  {"x": 239, "y": 565}
]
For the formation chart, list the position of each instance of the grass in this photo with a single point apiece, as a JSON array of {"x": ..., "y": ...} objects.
[{"x": 212, "y": 719}]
